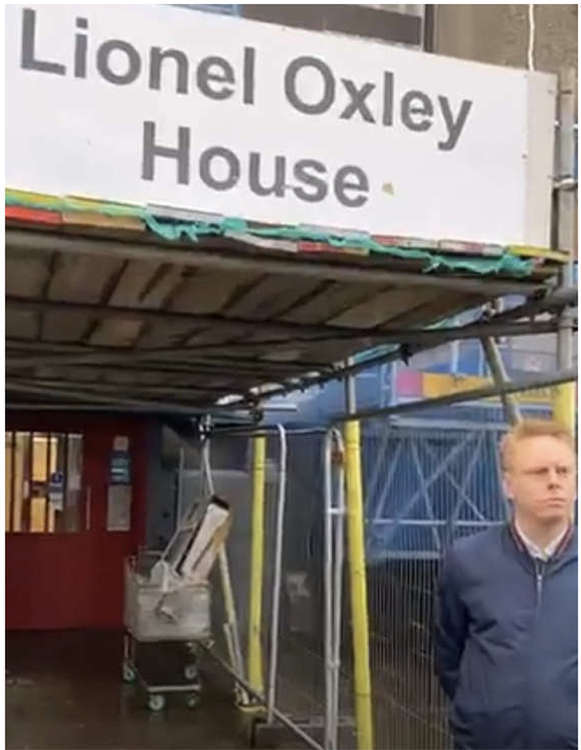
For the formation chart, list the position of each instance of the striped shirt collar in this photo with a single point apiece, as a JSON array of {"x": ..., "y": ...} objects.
[{"x": 552, "y": 550}]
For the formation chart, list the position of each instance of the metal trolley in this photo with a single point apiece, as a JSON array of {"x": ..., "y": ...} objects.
[{"x": 154, "y": 614}]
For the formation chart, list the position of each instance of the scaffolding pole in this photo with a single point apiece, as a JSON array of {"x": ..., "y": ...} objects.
[
  {"x": 564, "y": 394},
  {"x": 475, "y": 394},
  {"x": 499, "y": 374},
  {"x": 255, "y": 677},
  {"x": 357, "y": 575}
]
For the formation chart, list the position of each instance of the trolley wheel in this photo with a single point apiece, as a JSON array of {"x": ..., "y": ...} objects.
[
  {"x": 156, "y": 702},
  {"x": 191, "y": 672},
  {"x": 193, "y": 700},
  {"x": 129, "y": 674}
]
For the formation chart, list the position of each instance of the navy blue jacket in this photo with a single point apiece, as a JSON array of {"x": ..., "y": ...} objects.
[{"x": 506, "y": 643}]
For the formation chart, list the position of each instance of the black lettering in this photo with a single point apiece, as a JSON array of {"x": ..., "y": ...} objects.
[
  {"x": 233, "y": 165},
  {"x": 388, "y": 99},
  {"x": 133, "y": 59},
  {"x": 279, "y": 176},
  {"x": 248, "y": 86},
  {"x": 410, "y": 109},
  {"x": 205, "y": 76},
  {"x": 157, "y": 57},
  {"x": 300, "y": 173},
  {"x": 454, "y": 128},
  {"x": 351, "y": 178},
  {"x": 151, "y": 150},
  {"x": 27, "y": 59},
  {"x": 81, "y": 50},
  {"x": 290, "y": 85},
  {"x": 357, "y": 103}
]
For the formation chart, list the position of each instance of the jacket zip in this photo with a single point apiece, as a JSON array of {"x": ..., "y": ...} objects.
[{"x": 539, "y": 571}]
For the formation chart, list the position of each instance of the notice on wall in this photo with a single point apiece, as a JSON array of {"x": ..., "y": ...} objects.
[
  {"x": 168, "y": 106},
  {"x": 119, "y": 507},
  {"x": 119, "y": 493},
  {"x": 56, "y": 490}
]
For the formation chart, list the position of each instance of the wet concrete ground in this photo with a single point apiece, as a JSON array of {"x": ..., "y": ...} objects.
[{"x": 64, "y": 690}]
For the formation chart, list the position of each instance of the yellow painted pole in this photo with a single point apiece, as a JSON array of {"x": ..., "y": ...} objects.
[
  {"x": 358, "y": 587},
  {"x": 564, "y": 405},
  {"x": 255, "y": 678}
]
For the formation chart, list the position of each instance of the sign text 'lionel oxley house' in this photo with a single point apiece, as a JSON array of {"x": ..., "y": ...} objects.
[{"x": 241, "y": 118}]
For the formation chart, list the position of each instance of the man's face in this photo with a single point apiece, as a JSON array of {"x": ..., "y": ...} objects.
[{"x": 541, "y": 479}]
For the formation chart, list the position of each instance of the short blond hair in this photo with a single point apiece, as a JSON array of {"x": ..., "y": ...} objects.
[{"x": 529, "y": 428}]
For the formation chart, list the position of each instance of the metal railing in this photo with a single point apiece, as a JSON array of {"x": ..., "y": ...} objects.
[{"x": 422, "y": 488}]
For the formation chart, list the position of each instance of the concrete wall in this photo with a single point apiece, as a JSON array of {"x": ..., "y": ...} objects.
[{"x": 499, "y": 34}]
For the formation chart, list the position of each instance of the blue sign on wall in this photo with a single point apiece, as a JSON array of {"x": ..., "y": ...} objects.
[{"x": 120, "y": 468}]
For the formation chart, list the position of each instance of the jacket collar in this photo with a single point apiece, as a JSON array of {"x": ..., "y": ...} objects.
[{"x": 567, "y": 546}]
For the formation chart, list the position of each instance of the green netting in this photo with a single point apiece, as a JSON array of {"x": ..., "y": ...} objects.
[
  {"x": 172, "y": 230},
  {"x": 505, "y": 263}
]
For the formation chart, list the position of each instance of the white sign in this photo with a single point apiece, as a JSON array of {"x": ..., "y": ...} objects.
[{"x": 164, "y": 105}]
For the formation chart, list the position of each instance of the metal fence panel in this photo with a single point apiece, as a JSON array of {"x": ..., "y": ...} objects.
[{"x": 424, "y": 487}]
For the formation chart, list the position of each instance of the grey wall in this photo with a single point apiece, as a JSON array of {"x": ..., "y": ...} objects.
[
  {"x": 499, "y": 34},
  {"x": 375, "y": 22},
  {"x": 160, "y": 497}
]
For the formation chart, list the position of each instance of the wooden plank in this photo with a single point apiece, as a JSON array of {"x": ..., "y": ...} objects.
[
  {"x": 209, "y": 292},
  {"x": 26, "y": 274},
  {"x": 21, "y": 324},
  {"x": 119, "y": 333},
  {"x": 445, "y": 306},
  {"x": 271, "y": 297},
  {"x": 330, "y": 302},
  {"x": 142, "y": 285},
  {"x": 223, "y": 335},
  {"x": 33, "y": 215},
  {"x": 81, "y": 375},
  {"x": 63, "y": 326},
  {"x": 333, "y": 351},
  {"x": 102, "y": 221},
  {"x": 165, "y": 334},
  {"x": 373, "y": 271},
  {"x": 205, "y": 293},
  {"x": 192, "y": 291},
  {"x": 80, "y": 278},
  {"x": 40, "y": 200},
  {"x": 383, "y": 307}
]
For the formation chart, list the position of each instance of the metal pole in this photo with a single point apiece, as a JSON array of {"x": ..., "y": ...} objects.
[
  {"x": 418, "y": 344},
  {"x": 277, "y": 574},
  {"x": 265, "y": 430},
  {"x": 357, "y": 573},
  {"x": 475, "y": 394},
  {"x": 564, "y": 395},
  {"x": 338, "y": 584},
  {"x": 256, "y": 566},
  {"x": 181, "y": 486},
  {"x": 333, "y": 580},
  {"x": 499, "y": 374},
  {"x": 328, "y": 563},
  {"x": 564, "y": 409},
  {"x": 231, "y": 624}
]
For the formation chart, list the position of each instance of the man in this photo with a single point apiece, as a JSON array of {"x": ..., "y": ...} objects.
[{"x": 506, "y": 636}]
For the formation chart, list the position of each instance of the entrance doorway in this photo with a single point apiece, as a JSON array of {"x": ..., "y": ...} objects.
[{"x": 75, "y": 507}]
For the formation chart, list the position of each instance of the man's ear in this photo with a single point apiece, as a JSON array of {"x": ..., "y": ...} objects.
[{"x": 507, "y": 486}]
